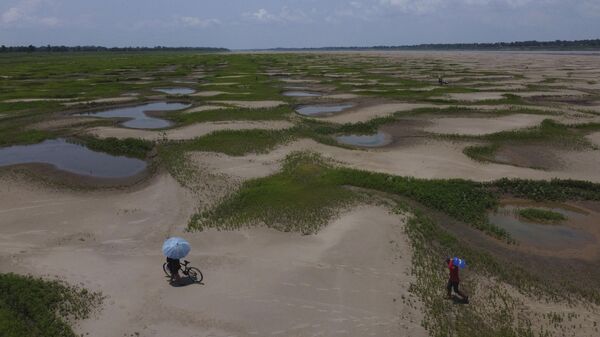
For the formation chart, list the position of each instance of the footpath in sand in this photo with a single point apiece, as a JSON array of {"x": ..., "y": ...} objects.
[{"x": 348, "y": 280}]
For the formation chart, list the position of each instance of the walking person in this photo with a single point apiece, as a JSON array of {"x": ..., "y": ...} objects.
[{"x": 454, "y": 279}]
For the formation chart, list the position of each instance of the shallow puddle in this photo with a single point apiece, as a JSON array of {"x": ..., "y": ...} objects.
[
  {"x": 545, "y": 236},
  {"x": 296, "y": 93},
  {"x": 72, "y": 158},
  {"x": 138, "y": 119},
  {"x": 176, "y": 91},
  {"x": 317, "y": 110},
  {"x": 376, "y": 140}
]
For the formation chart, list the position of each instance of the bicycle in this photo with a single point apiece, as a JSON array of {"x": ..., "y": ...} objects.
[{"x": 192, "y": 272}]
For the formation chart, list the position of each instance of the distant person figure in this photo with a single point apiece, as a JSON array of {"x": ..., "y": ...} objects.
[
  {"x": 174, "y": 266},
  {"x": 454, "y": 281},
  {"x": 441, "y": 81}
]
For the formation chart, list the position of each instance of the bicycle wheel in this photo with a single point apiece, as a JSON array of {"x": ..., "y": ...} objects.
[
  {"x": 166, "y": 270},
  {"x": 196, "y": 274}
]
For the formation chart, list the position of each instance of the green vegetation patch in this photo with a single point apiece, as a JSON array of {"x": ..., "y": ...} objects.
[
  {"x": 496, "y": 312},
  {"x": 279, "y": 199},
  {"x": 34, "y": 307},
  {"x": 130, "y": 147},
  {"x": 15, "y": 136},
  {"x": 239, "y": 142},
  {"x": 553, "y": 190},
  {"x": 482, "y": 153},
  {"x": 232, "y": 114},
  {"x": 472, "y": 111},
  {"x": 464, "y": 200},
  {"x": 549, "y": 133},
  {"x": 541, "y": 215},
  {"x": 509, "y": 99},
  {"x": 307, "y": 192},
  {"x": 294, "y": 196},
  {"x": 302, "y": 197}
]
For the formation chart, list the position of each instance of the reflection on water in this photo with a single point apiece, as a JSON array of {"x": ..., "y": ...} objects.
[
  {"x": 138, "y": 119},
  {"x": 315, "y": 110},
  {"x": 72, "y": 158},
  {"x": 545, "y": 236},
  {"x": 375, "y": 140}
]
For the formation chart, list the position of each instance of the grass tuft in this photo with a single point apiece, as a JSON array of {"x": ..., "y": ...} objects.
[
  {"x": 481, "y": 153},
  {"x": 232, "y": 114},
  {"x": 541, "y": 215},
  {"x": 131, "y": 147},
  {"x": 239, "y": 142},
  {"x": 35, "y": 307},
  {"x": 553, "y": 190}
]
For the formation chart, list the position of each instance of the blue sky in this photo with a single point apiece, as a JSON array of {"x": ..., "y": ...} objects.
[{"x": 243, "y": 24}]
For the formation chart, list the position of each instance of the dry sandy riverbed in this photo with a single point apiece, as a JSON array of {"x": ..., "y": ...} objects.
[
  {"x": 594, "y": 138},
  {"x": 258, "y": 282},
  {"x": 204, "y": 108},
  {"x": 252, "y": 104},
  {"x": 363, "y": 114},
  {"x": 210, "y": 93},
  {"x": 187, "y": 132},
  {"x": 483, "y": 126},
  {"x": 28, "y": 100},
  {"x": 103, "y": 101},
  {"x": 429, "y": 160}
]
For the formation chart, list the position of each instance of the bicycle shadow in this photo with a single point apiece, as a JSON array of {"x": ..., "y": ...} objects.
[{"x": 184, "y": 282}]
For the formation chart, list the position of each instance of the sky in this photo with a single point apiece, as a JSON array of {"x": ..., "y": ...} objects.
[{"x": 256, "y": 24}]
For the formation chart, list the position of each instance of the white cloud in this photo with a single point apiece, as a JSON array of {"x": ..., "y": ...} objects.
[
  {"x": 430, "y": 6},
  {"x": 192, "y": 21},
  {"x": 261, "y": 15},
  {"x": 174, "y": 22},
  {"x": 285, "y": 15},
  {"x": 24, "y": 12},
  {"x": 414, "y": 6},
  {"x": 11, "y": 15}
]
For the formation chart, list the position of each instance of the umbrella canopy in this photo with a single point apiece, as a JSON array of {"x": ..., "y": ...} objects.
[
  {"x": 461, "y": 263},
  {"x": 176, "y": 248}
]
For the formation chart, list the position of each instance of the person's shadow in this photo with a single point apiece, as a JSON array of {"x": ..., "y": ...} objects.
[
  {"x": 458, "y": 300},
  {"x": 184, "y": 281}
]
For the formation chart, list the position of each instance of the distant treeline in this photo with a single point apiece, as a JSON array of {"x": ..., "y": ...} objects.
[
  {"x": 522, "y": 45},
  {"x": 49, "y": 48}
]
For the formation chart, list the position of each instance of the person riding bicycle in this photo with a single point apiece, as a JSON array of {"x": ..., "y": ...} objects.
[{"x": 174, "y": 266}]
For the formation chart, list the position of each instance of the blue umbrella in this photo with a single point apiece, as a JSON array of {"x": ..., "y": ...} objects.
[
  {"x": 176, "y": 248},
  {"x": 459, "y": 262}
]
